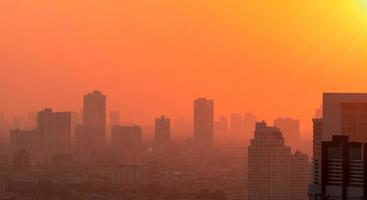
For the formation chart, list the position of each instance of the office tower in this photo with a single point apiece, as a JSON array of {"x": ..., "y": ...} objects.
[
  {"x": 203, "y": 121},
  {"x": 343, "y": 172},
  {"x": 290, "y": 129},
  {"x": 54, "y": 131},
  {"x": 274, "y": 173},
  {"x": 162, "y": 130},
  {"x": 115, "y": 118},
  {"x": 21, "y": 160},
  {"x": 269, "y": 165},
  {"x": 24, "y": 140},
  {"x": 249, "y": 121},
  {"x": 126, "y": 137},
  {"x": 236, "y": 128},
  {"x": 342, "y": 114},
  {"x": 221, "y": 126},
  {"x": 301, "y": 176}
]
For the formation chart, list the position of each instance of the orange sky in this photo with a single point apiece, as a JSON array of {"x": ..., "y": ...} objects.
[{"x": 153, "y": 57}]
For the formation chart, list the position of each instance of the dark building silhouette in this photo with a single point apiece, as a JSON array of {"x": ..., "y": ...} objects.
[
  {"x": 126, "y": 137},
  {"x": 54, "y": 130},
  {"x": 203, "y": 121},
  {"x": 162, "y": 130}
]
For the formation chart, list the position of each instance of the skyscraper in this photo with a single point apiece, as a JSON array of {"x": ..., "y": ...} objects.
[
  {"x": 162, "y": 130},
  {"x": 54, "y": 130},
  {"x": 236, "y": 127},
  {"x": 94, "y": 120},
  {"x": 126, "y": 137},
  {"x": 274, "y": 173},
  {"x": 290, "y": 129},
  {"x": 203, "y": 121}
]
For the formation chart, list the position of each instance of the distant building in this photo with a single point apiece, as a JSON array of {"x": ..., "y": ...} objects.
[
  {"x": 290, "y": 129},
  {"x": 236, "y": 127},
  {"x": 54, "y": 129},
  {"x": 249, "y": 121},
  {"x": 21, "y": 160},
  {"x": 125, "y": 175},
  {"x": 24, "y": 139},
  {"x": 274, "y": 173},
  {"x": 126, "y": 137},
  {"x": 115, "y": 118},
  {"x": 221, "y": 126},
  {"x": 203, "y": 121},
  {"x": 162, "y": 130}
]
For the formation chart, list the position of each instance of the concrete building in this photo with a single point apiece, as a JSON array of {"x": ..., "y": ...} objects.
[
  {"x": 162, "y": 130},
  {"x": 126, "y": 137},
  {"x": 203, "y": 121}
]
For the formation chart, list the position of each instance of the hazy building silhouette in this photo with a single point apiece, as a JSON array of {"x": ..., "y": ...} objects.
[
  {"x": 236, "y": 128},
  {"x": 24, "y": 140},
  {"x": 221, "y": 127},
  {"x": 249, "y": 121},
  {"x": 54, "y": 130},
  {"x": 21, "y": 160},
  {"x": 94, "y": 117},
  {"x": 162, "y": 130},
  {"x": 290, "y": 129},
  {"x": 126, "y": 137},
  {"x": 273, "y": 172},
  {"x": 316, "y": 146},
  {"x": 203, "y": 121},
  {"x": 115, "y": 118},
  {"x": 125, "y": 175}
]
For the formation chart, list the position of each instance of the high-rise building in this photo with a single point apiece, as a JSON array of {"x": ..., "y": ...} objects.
[
  {"x": 249, "y": 121},
  {"x": 342, "y": 114},
  {"x": 126, "y": 137},
  {"x": 343, "y": 171},
  {"x": 54, "y": 130},
  {"x": 274, "y": 173},
  {"x": 162, "y": 130},
  {"x": 290, "y": 129},
  {"x": 203, "y": 121},
  {"x": 236, "y": 127},
  {"x": 90, "y": 136},
  {"x": 24, "y": 140}
]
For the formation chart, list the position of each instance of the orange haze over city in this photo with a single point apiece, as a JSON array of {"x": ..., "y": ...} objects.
[{"x": 273, "y": 58}]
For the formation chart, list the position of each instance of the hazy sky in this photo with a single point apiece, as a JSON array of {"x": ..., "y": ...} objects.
[{"x": 153, "y": 57}]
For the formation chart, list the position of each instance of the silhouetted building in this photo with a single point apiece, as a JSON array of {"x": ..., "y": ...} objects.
[
  {"x": 94, "y": 117},
  {"x": 126, "y": 137},
  {"x": 316, "y": 144},
  {"x": 343, "y": 171},
  {"x": 249, "y": 121},
  {"x": 54, "y": 129},
  {"x": 115, "y": 118},
  {"x": 203, "y": 121},
  {"x": 290, "y": 129},
  {"x": 274, "y": 173},
  {"x": 236, "y": 127},
  {"x": 162, "y": 130},
  {"x": 21, "y": 160},
  {"x": 24, "y": 139}
]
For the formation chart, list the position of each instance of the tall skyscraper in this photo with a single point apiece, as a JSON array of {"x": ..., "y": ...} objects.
[
  {"x": 274, "y": 173},
  {"x": 290, "y": 129},
  {"x": 203, "y": 121},
  {"x": 162, "y": 130},
  {"x": 91, "y": 135},
  {"x": 126, "y": 137},
  {"x": 236, "y": 128},
  {"x": 342, "y": 114},
  {"x": 54, "y": 130}
]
